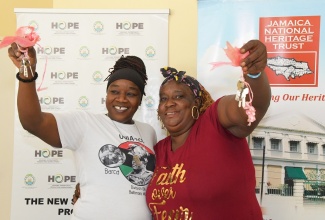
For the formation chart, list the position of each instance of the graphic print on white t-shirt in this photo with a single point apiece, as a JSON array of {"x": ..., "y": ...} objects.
[{"x": 135, "y": 160}]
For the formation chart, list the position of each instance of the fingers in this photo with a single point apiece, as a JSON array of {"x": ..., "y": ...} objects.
[
  {"x": 249, "y": 45},
  {"x": 32, "y": 57},
  {"x": 256, "y": 61},
  {"x": 16, "y": 54},
  {"x": 74, "y": 200},
  {"x": 15, "y": 51},
  {"x": 19, "y": 50},
  {"x": 76, "y": 194}
]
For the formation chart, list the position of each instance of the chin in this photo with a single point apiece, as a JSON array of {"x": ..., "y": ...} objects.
[{"x": 170, "y": 128}]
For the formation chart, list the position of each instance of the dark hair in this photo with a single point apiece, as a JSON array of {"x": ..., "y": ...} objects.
[
  {"x": 206, "y": 100},
  {"x": 132, "y": 62},
  {"x": 198, "y": 90}
]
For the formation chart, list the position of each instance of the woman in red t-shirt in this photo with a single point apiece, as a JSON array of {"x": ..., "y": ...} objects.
[{"x": 204, "y": 169}]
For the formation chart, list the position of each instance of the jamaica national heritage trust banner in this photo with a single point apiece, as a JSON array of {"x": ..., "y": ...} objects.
[{"x": 288, "y": 146}]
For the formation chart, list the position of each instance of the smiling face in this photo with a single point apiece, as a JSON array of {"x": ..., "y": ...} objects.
[
  {"x": 122, "y": 100},
  {"x": 175, "y": 107}
]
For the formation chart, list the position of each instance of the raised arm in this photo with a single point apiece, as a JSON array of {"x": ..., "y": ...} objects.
[
  {"x": 40, "y": 124},
  {"x": 231, "y": 116}
]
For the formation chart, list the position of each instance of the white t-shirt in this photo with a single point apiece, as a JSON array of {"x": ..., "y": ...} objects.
[{"x": 114, "y": 163}]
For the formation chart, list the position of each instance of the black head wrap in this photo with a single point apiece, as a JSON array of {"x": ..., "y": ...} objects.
[
  {"x": 128, "y": 74},
  {"x": 172, "y": 74}
]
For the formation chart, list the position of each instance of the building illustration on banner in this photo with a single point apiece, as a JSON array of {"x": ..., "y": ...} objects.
[
  {"x": 288, "y": 151},
  {"x": 290, "y": 140}
]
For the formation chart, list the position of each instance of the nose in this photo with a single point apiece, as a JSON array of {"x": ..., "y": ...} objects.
[
  {"x": 169, "y": 103},
  {"x": 121, "y": 97}
]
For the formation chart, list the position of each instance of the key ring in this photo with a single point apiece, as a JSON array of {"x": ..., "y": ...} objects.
[{"x": 25, "y": 63}]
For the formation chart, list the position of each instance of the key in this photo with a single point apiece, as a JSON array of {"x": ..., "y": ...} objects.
[
  {"x": 243, "y": 96},
  {"x": 240, "y": 87},
  {"x": 25, "y": 64}
]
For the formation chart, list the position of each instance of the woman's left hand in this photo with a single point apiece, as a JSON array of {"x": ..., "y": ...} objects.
[
  {"x": 76, "y": 194},
  {"x": 256, "y": 61}
]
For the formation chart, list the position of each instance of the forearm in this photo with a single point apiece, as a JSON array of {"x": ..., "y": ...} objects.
[
  {"x": 41, "y": 124},
  {"x": 235, "y": 118},
  {"x": 29, "y": 109},
  {"x": 242, "y": 121}
]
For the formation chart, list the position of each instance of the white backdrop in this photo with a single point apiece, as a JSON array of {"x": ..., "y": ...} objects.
[{"x": 76, "y": 50}]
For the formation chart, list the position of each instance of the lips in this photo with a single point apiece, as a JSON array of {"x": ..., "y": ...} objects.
[
  {"x": 120, "y": 108},
  {"x": 171, "y": 114}
]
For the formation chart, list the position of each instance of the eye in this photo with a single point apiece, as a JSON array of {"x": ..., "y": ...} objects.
[
  {"x": 162, "y": 99},
  {"x": 130, "y": 94},
  {"x": 114, "y": 92},
  {"x": 179, "y": 96}
]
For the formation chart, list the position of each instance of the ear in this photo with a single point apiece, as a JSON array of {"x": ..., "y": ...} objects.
[
  {"x": 140, "y": 101},
  {"x": 198, "y": 102}
]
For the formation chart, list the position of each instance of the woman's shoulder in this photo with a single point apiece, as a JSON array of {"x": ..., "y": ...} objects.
[
  {"x": 210, "y": 114},
  {"x": 147, "y": 131},
  {"x": 163, "y": 141},
  {"x": 144, "y": 125},
  {"x": 79, "y": 116},
  {"x": 76, "y": 112}
]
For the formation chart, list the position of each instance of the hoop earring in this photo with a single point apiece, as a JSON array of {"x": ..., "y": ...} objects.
[{"x": 197, "y": 112}]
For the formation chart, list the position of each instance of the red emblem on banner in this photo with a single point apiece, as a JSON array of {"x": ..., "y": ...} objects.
[{"x": 293, "y": 50}]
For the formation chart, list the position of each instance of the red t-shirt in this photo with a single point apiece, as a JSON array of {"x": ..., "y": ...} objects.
[{"x": 210, "y": 177}]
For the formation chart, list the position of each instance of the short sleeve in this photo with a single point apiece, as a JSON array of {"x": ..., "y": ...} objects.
[{"x": 72, "y": 127}]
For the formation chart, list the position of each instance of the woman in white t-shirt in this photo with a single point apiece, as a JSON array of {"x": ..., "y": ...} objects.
[{"x": 107, "y": 190}]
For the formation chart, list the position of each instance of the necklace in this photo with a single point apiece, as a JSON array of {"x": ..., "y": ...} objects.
[{"x": 135, "y": 124}]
